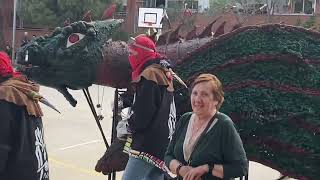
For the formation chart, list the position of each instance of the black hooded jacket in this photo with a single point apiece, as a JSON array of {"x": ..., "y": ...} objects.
[{"x": 153, "y": 120}]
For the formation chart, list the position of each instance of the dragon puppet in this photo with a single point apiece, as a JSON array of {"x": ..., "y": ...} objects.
[{"x": 271, "y": 77}]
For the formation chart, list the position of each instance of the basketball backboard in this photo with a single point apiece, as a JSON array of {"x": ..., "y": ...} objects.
[{"x": 150, "y": 17}]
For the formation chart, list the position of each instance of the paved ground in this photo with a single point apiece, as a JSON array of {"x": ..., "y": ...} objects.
[{"x": 74, "y": 142}]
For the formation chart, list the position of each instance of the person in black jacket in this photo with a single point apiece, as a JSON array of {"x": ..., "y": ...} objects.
[
  {"x": 152, "y": 122},
  {"x": 23, "y": 154}
]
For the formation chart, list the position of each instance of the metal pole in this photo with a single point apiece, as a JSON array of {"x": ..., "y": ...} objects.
[
  {"x": 115, "y": 119},
  {"x": 14, "y": 30},
  {"x": 20, "y": 18},
  {"x": 93, "y": 110}
]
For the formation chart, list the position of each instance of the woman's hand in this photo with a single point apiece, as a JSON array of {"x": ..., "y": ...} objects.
[
  {"x": 184, "y": 170},
  {"x": 196, "y": 173}
]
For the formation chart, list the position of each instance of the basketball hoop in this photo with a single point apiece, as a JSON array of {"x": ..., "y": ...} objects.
[
  {"x": 150, "y": 17},
  {"x": 148, "y": 24}
]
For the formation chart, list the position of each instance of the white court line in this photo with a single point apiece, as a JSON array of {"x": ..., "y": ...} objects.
[{"x": 81, "y": 144}]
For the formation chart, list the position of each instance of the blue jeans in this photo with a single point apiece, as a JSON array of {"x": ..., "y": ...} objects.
[{"x": 137, "y": 169}]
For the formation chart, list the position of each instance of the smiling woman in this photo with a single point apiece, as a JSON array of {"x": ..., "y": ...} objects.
[
  {"x": 206, "y": 144},
  {"x": 207, "y": 95}
]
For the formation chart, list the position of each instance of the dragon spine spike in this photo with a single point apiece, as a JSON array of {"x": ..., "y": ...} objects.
[
  {"x": 108, "y": 12},
  {"x": 174, "y": 36},
  {"x": 236, "y": 26},
  {"x": 220, "y": 30},
  {"x": 87, "y": 16},
  {"x": 162, "y": 40},
  {"x": 192, "y": 34},
  {"x": 207, "y": 32}
]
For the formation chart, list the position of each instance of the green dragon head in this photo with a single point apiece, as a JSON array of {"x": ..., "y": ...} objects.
[{"x": 70, "y": 54}]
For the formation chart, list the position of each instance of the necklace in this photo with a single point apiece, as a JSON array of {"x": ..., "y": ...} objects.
[{"x": 196, "y": 132}]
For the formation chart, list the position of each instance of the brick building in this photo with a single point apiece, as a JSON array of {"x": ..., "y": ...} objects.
[{"x": 292, "y": 12}]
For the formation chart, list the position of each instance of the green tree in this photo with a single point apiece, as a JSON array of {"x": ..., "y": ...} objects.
[
  {"x": 55, "y": 12},
  {"x": 220, "y": 5},
  {"x": 38, "y": 12},
  {"x": 245, "y": 8},
  {"x": 74, "y": 9}
]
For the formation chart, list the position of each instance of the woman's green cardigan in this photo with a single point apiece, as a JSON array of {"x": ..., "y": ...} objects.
[{"x": 220, "y": 145}]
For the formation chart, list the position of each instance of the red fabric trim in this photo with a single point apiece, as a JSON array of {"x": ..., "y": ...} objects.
[{"x": 6, "y": 68}]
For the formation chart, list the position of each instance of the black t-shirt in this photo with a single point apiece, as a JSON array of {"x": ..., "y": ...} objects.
[{"x": 23, "y": 154}]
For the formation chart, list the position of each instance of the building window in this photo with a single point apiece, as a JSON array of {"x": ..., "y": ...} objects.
[
  {"x": 183, "y": 4},
  {"x": 161, "y": 3},
  {"x": 175, "y": 4},
  {"x": 294, "y": 7},
  {"x": 154, "y": 3},
  {"x": 250, "y": 7},
  {"x": 191, "y": 4},
  {"x": 303, "y": 6}
]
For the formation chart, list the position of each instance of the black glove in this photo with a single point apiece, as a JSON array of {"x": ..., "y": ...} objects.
[{"x": 113, "y": 159}]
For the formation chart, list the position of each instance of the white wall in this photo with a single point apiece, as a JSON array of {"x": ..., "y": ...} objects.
[{"x": 203, "y": 5}]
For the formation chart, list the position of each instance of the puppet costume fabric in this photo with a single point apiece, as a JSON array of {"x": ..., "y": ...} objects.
[{"x": 23, "y": 154}]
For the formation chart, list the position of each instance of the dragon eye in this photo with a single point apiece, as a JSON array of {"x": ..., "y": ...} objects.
[{"x": 74, "y": 38}]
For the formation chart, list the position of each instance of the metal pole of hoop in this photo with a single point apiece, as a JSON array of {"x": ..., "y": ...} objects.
[{"x": 14, "y": 31}]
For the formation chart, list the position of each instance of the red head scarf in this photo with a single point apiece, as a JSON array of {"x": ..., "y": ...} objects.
[
  {"x": 141, "y": 50},
  {"x": 6, "y": 67}
]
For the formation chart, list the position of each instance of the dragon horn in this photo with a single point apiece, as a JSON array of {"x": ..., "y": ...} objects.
[
  {"x": 47, "y": 103},
  {"x": 178, "y": 78}
]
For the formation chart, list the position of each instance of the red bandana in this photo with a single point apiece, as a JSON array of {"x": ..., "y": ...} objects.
[
  {"x": 141, "y": 50},
  {"x": 6, "y": 67}
]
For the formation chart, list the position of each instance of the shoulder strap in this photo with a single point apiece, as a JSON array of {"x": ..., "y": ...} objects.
[
  {"x": 208, "y": 125},
  {"x": 202, "y": 134}
]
